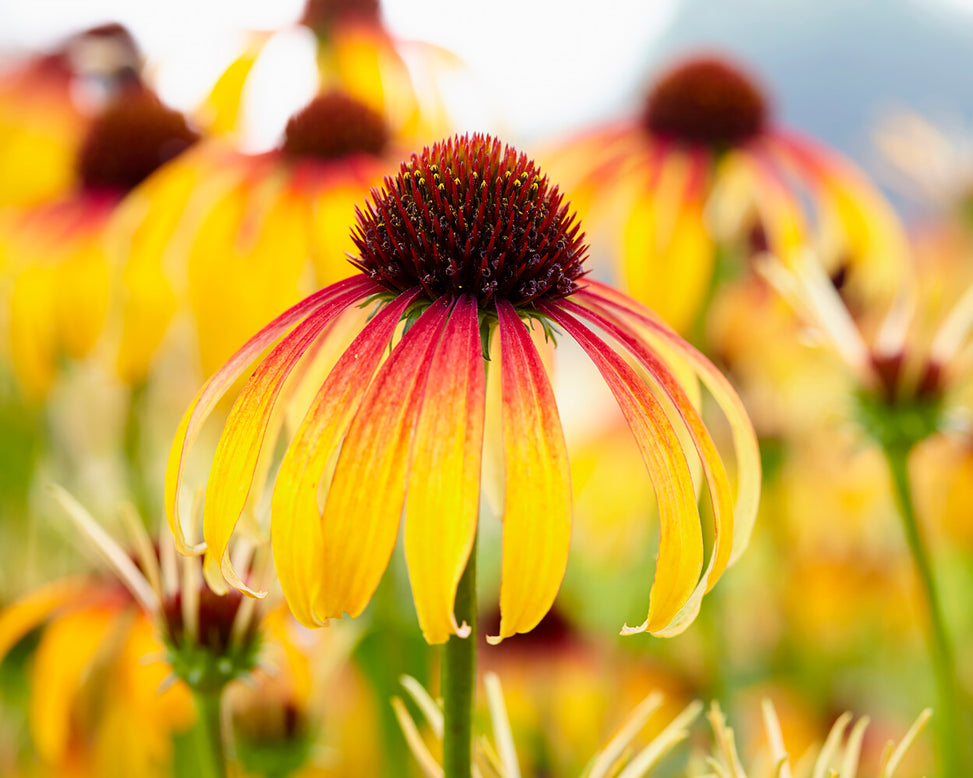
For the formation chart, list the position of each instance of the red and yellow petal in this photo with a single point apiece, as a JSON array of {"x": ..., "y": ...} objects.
[
  {"x": 238, "y": 451},
  {"x": 721, "y": 497},
  {"x": 360, "y": 521},
  {"x": 745, "y": 447},
  {"x": 537, "y": 499},
  {"x": 207, "y": 398},
  {"x": 680, "y": 537},
  {"x": 444, "y": 474},
  {"x": 296, "y": 516}
]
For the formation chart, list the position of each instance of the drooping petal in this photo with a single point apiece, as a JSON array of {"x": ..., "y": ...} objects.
[
  {"x": 296, "y": 516},
  {"x": 444, "y": 474},
  {"x": 857, "y": 224},
  {"x": 238, "y": 451},
  {"x": 213, "y": 389},
  {"x": 64, "y": 656},
  {"x": 746, "y": 450},
  {"x": 22, "y": 616},
  {"x": 537, "y": 498},
  {"x": 680, "y": 537},
  {"x": 360, "y": 521},
  {"x": 668, "y": 253},
  {"x": 714, "y": 472}
]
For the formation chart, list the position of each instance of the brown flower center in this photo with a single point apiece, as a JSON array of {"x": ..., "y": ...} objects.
[
  {"x": 706, "y": 101},
  {"x": 471, "y": 216},
  {"x": 321, "y": 15},
  {"x": 132, "y": 138},
  {"x": 334, "y": 125}
]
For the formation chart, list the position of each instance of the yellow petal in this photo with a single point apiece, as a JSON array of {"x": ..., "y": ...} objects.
[
  {"x": 444, "y": 475},
  {"x": 65, "y": 654},
  {"x": 537, "y": 501},
  {"x": 668, "y": 253}
]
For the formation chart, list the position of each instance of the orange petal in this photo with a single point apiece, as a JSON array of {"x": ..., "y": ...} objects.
[
  {"x": 213, "y": 389},
  {"x": 361, "y": 515},
  {"x": 444, "y": 475},
  {"x": 296, "y": 516},
  {"x": 680, "y": 536},
  {"x": 537, "y": 501}
]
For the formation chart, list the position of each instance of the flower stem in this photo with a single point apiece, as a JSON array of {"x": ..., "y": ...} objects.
[
  {"x": 209, "y": 733},
  {"x": 459, "y": 681},
  {"x": 939, "y": 649}
]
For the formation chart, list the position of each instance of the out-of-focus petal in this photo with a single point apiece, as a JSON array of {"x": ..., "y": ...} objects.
[
  {"x": 537, "y": 501},
  {"x": 746, "y": 450},
  {"x": 680, "y": 538},
  {"x": 361, "y": 515},
  {"x": 238, "y": 451},
  {"x": 444, "y": 475},
  {"x": 214, "y": 388},
  {"x": 63, "y": 657},
  {"x": 296, "y": 523},
  {"x": 668, "y": 252},
  {"x": 25, "y": 614}
]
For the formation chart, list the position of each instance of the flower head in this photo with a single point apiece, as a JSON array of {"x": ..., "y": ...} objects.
[
  {"x": 473, "y": 219},
  {"x": 706, "y": 101},
  {"x": 130, "y": 140},
  {"x": 468, "y": 241}
]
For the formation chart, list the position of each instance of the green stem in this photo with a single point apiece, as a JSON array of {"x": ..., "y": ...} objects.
[
  {"x": 209, "y": 733},
  {"x": 132, "y": 445},
  {"x": 939, "y": 649},
  {"x": 459, "y": 681}
]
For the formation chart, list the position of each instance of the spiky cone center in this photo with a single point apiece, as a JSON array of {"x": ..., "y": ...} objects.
[
  {"x": 130, "y": 140},
  {"x": 471, "y": 216},
  {"x": 214, "y": 650},
  {"x": 706, "y": 101},
  {"x": 321, "y": 15},
  {"x": 334, "y": 125}
]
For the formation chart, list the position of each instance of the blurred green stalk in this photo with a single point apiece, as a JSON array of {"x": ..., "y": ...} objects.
[
  {"x": 209, "y": 733},
  {"x": 947, "y": 713}
]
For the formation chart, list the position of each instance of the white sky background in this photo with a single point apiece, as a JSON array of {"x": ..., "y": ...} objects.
[{"x": 536, "y": 67}]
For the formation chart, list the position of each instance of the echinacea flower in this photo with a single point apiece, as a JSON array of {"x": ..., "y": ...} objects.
[
  {"x": 56, "y": 253},
  {"x": 704, "y": 170},
  {"x": 230, "y": 236},
  {"x": 104, "y": 679},
  {"x": 469, "y": 246},
  {"x": 906, "y": 367},
  {"x": 355, "y": 54},
  {"x": 47, "y": 103}
]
